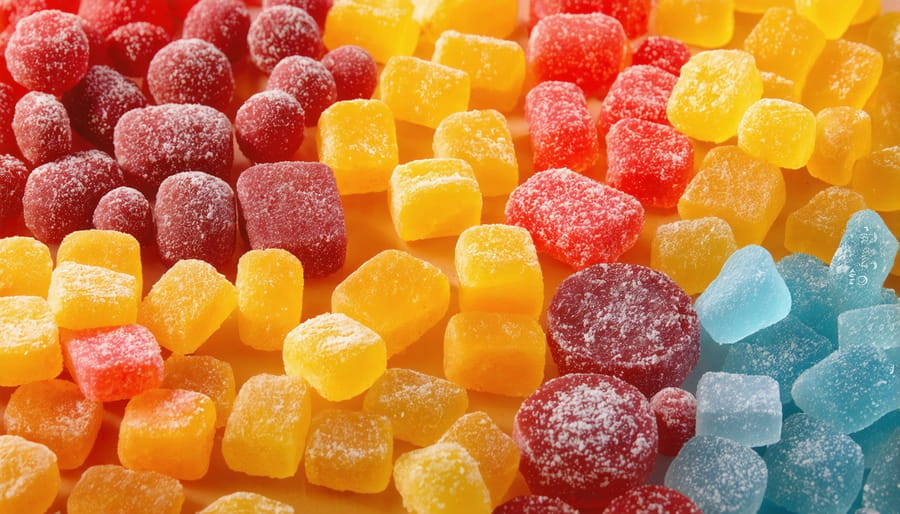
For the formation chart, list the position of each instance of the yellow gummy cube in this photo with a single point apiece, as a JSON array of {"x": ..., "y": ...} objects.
[
  {"x": 109, "y": 249},
  {"x": 266, "y": 431},
  {"x": 846, "y": 73},
  {"x": 29, "y": 476},
  {"x": 399, "y": 311},
  {"x": 884, "y": 108},
  {"x": 169, "y": 431},
  {"x": 384, "y": 29},
  {"x": 434, "y": 198},
  {"x": 692, "y": 252},
  {"x": 831, "y": 16},
  {"x": 269, "y": 288},
  {"x": 187, "y": 304},
  {"x": 776, "y": 86},
  {"x": 779, "y": 132},
  {"x": 109, "y": 488},
  {"x": 25, "y": 267},
  {"x": 83, "y": 297},
  {"x": 816, "y": 228},
  {"x": 704, "y": 23},
  {"x": 744, "y": 191},
  {"x": 884, "y": 36},
  {"x": 206, "y": 375},
  {"x": 495, "y": 352},
  {"x": 868, "y": 10},
  {"x": 441, "y": 478},
  {"x": 494, "y": 451},
  {"x": 759, "y": 6},
  {"x": 482, "y": 139},
  {"x": 349, "y": 451},
  {"x": 785, "y": 43},
  {"x": 29, "y": 341},
  {"x": 422, "y": 92},
  {"x": 712, "y": 93},
  {"x": 495, "y": 18},
  {"x": 421, "y": 407},
  {"x": 336, "y": 355},
  {"x": 843, "y": 135},
  {"x": 877, "y": 177},
  {"x": 358, "y": 140},
  {"x": 246, "y": 503},
  {"x": 495, "y": 66}
]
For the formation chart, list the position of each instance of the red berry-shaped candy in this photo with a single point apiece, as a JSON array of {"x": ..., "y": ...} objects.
[
  {"x": 42, "y": 128},
  {"x": 269, "y": 126},
  {"x": 48, "y": 51},
  {"x": 652, "y": 498},
  {"x": 125, "y": 210},
  {"x": 676, "y": 418},
  {"x": 97, "y": 102},
  {"x": 133, "y": 45},
  {"x": 309, "y": 81},
  {"x": 318, "y": 9},
  {"x": 191, "y": 71},
  {"x": 535, "y": 504},
  {"x": 22, "y": 8},
  {"x": 108, "y": 15},
  {"x": 563, "y": 134},
  {"x": 224, "y": 23},
  {"x": 640, "y": 92},
  {"x": 354, "y": 70},
  {"x": 7, "y": 111},
  {"x": 280, "y": 32},
  {"x": 13, "y": 174},
  {"x": 663, "y": 52}
]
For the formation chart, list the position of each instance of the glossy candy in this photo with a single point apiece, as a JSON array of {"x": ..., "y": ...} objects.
[
  {"x": 877, "y": 177},
  {"x": 383, "y": 29},
  {"x": 703, "y": 23},
  {"x": 492, "y": 18}
]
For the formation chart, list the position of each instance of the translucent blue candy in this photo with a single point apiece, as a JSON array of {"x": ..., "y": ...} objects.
[
  {"x": 743, "y": 408},
  {"x": 872, "y": 438},
  {"x": 814, "y": 469},
  {"x": 812, "y": 300},
  {"x": 889, "y": 296},
  {"x": 712, "y": 357},
  {"x": 878, "y": 325},
  {"x": 850, "y": 389},
  {"x": 781, "y": 351},
  {"x": 719, "y": 475},
  {"x": 882, "y": 489},
  {"x": 862, "y": 261},
  {"x": 747, "y": 295}
]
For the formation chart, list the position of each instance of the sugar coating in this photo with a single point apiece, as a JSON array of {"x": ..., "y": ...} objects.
[
  {"x": 703, "y": 23},
  {"x": 48, "y": 51},
  {"x": 832, "y": 17},
  {"x": 107, "y": 15},
  {"x": 318, "y": 9},
  {"x": 561, "y": 128},
  {"x": 692, "y": 252},
  {"x": 776, "y": 86},
  {"x": 812, "y": 299},
  {"x": 110, "y": 488},
  {"x": 354, "y": 70},
  {"x": 743, "y": 408},
  {"x": 534, "y": 504},
  {"x": 882, "y": 107},
  {"x": 13, "y": 176},
  {"x": 585, "y": 438},
  {"x": 640, "y": 91},
  {"x": 666, "y": 53},
  {"x": 203, "y": 374},
  {"x": 843, "y": 135},
  {"x": 25, "y": 267},
  {"x": 127, "y": 210},
  {"x": 191, "y": 71},
  {"x": 880, "y": 491},
  {"x": 31, "y": 349},
  {"x": 877, "y": 177},
  {"x": 652, "y": 498},
  {"x": 423, "y": 92},
  {"x": 269, "y": 126},
  {"x": 8, "y": 98},
  {"x": 246, "y": 502},
  {"x": 846, "y": 73},
  {"x": 224, "y": 23},
  {"x": 442, "y": 477},
  {"x": 778, "y": 131},
  {"x": 309, "y": 81},
  {"x": 676, "y": 418},
  {"x": 282, "y": 31},
  {"x": 133, "y": 45},
  {"x": 816, "y": 228},
  {"x": 82, "y": 296},
  {"x": 107, "y": 249},
  {"x": 874, "y": 438},
  {"x": 385, "y": 30},
  {"x": 29, "y": 476},
  {"x": 492, "y": 18},
  {"x": 862, "y": 261},
  {"x": 882, "y": 36},
  {"x": 270, "y": 297},
  {"x": 97, "y": 102},
  {"x": 878, "y": 325},
  {"x": 42, "y": 128}
]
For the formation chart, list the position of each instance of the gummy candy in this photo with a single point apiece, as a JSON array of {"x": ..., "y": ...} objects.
[
  {"x": 877, "y": 177},
  {"x": 666, "y": 53},
  {"x": 535, "y": 504},
  {"x": 879, "y": 491},
  {"x": 843, "y": 135},
  {"x": 107, "y": 15},
  {"x": 224, "y": 23},
  {"x": 743, "y": 408},
  {"x": 778, "y": 87},
  {"x": 641, "y": 92},
  {"x": 246, "y": 503},
  {"x": 878, "y": 325},
  {"x": 423, "y": 92},
  {"x": 649, "y": 498},
  {"x": 831, "y": 16},
  {"x": 692, "y": 252},
  {"x": 133, "y": 45},
  {"x": 676, "y": 418},
  {"x": 862, "y": 261},
  {"x": 29, "y": 476},
  {"x": 354, "y": 70},
  {"x": 25, "y": 267},
  {"x": 268, "y": 127},
  {"x": 82, "y": 296},
  {"x": 13, "y": 176},
  {"x": 557, "y": 112},
  {"x": 126, "y": 210},
  {"x": 307, "y": 80},
  {"x": 48, "y": 51},
  {"x": 31, "y": 349},
  {"x": 812, "y": 299},
  {"x": 111, "y": 488},
  {"x": 282, "y": 31},
  {"x": 270, "y": 297},
  {"x": 203, "y": 374},
  {"x": 385, "y": 29},
  {"x": 42, "y": 128},
  {"x": 704, "y": 23},
  {"x": 816, "y": 228},
  {"x": 107, "y": 249},
  {"x": 318, "y": 9},
  {"x": 493, "y": 18},
  {"x": 191, "y": 71},
  {"x": 846, "y": 73},
  {"x": 779, "y": 132},
  {"x": 97, "y": 102}
]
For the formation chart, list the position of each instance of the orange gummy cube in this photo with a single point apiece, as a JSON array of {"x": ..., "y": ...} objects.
[
  {"x": 206, "y": 375},
  {"x": 385, "y": 29},
  {"x": 55, "y": 414},
  {"x": 776, "y": 86},
  {"x": 495, "y": 352},
  {"x": 883, "y": 37},
  {"x": 169, "y": 431},
  {"x": 349, "y": 451},
  {"x": 482, "y": 139},
  {"x": 816, "y": 228},
  {"x": 269, "y": 288},
  {"x": 423, "y": 92},
  {"x": 846, "y": 73},
  {"x": 779, "y": 132},
  {"x": 759, "y": 6},
  {"x": 109, "y": 249},
  {"x": 831, "y": 16},
  {"x": 25, "y": 267},
  {"x": 877, "y": 177},
  {"x": 692, "y": 252},
  {"x": 83, "y": 296},
  {"x": 266, "y": 431},
  {"x": 399, "y": 311},
  {"x": 495, "y": 18},
  {"x": 112, "y": 489},
  {"x": 187, "y": 304},
  {"x": 884, "y": 108},
  {"x": 704, "y": 23},
  {"x": 421, "y": 407},
  {"x": 29, "y": 476},
  {"x": 30, "y": 349},
  {"x": 843, "y": 135},
  {"x": 868, "y": 10},
  {"x": 441, "y": 478},
  {"x": 785, "y": 43},
  {"x": 246, "y": 503}
]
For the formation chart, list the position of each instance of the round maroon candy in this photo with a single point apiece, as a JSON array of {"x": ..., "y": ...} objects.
[
  {"x": 125, "y": 210},
  {"x": 535, "y": 504},
  {"x": 354, "y": 70},
  {"x": 309, "y": 81},
  {"x": 42, "y": 128},
  {"x": 97, "y": 102},
  {"x": 191, "y": 71},
  {"x": 7, "y": 111},
  {"x": 133, "y": 45},
  {"x": 13, "y": 175},
  {"x": 48, "y": 51},
  {"x": 318, "y": 9},
  {"x": 652, "y": 498},
  {"x": 269, "y": 126},
  {"x": 663, "y": 52},
  {"x": 22, "y": 8},
  {"x": 282, "y": 31},
  {"x": 224, "y": 23},
  {"x": 108, "y": 15},
  {"x": 676, "y": 418},
  {"x": 99, "y": 48},
  {"x": 625, "y": 320}
]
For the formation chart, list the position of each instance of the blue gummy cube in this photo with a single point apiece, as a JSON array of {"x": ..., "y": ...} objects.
[
  {"x": 872, "y": 438},
  {"x": 812, "y": 300},
  {"x": 814, "y": 469},
  {"x": 862, "y": 261},
  {"x": 878, "y": 325},
  {"x": 850, "y": 389},
  {"x": 743, "y": 408},
  {"x": 719, "y": 475},
  {"x": 882, "y": 489},
  {"x": 781, "y": 351},
  {"x": 747, "y": 295}
]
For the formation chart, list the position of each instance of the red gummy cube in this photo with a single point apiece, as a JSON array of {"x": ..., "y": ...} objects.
[
  {"x": 110, "y": 364},
  {"x": 574, "y": 218},
  {"x": 224, "y": 23},
  {"x": 676, "y": 418},
  {"x": 650, "y": 161},
  {"x": 562, "y": 131},
  {"x": 639, "y": 92},
  {"x": 48, "y": 51},
  {"x": 587, "y": 49},
  {"x": 666, "y": 53},
  {"x": 652, "y": 498},
  {"x": 98, "y": 101}
]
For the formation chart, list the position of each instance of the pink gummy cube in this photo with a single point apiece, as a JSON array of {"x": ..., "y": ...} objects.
[{"x": 562, "y": 131}]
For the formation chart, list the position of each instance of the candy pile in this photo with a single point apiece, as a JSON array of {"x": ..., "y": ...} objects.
[{"x": 256, "y": 255}]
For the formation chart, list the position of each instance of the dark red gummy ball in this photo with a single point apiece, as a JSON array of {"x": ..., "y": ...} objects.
[
  {"x": 318, "y": 9},
  {"x": 125, "y": 210},
  {"x": 676, "y": 418},
  {"x": 48, "y": 51},
  {"x": 585, "y": 438},
  {"x": 280, "y": 32},
  {"x": 309, "y": 81},
  {"x": 663, "y": 52},
  {"x": 191, "y": 71},
  {"x": 8, "y": 101},
  {"x": 269, "y": 126},
  {"x": 354, "y": 70},
  {"x": 196, "y": 218},
  {"x": 625, "y": 320},
  {"x": 224, "y": 23},
  {"x": 108, "y": 15},
  {"x": 42, "y": 128},
  {"x": 133, "y": 45},
  {"x": 60, "y": 196},
  {"x": 22, "y": 8},
  {"x": 652, "y": 498},
  {"x": 535, "y": 504},
  {"x": 13, "y": 174}
]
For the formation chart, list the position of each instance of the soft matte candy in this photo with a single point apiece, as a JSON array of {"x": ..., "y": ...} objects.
[
  {"x": 25, "y": 267},
  {"x": 97, "y": 102},
  {"x": 877, "y": 177},
  {"x": 880, "y": 492},
  {"x": 883, "y": 107},
  {"x": 133, "y": 45},
  {"x": 719, "y": 475},
  {"x": 778, "y": 87},
  {"x": 307, "y": 80},
  {"x": 246, "y": 502},
  {"x": 203, "y": 374},
  {"x": 535, "y": 504},
  {"x": 224, "y": 23},
  {"x": 31, "y": 349},
  {"x": 779, "y": 132},
  {"x": 42, "y": 128},
  {"x": 269, "y": 126},
  {"x": 704, "y": 23},
  {"x": 561, "y": 128},
  {"x": 748, "y": 295},
  {"x": 585, "y": 438},
  {"x": 882, "y": 34},
  {"x": 652, "y": 498},
  {"x": 270, "y": 297},
  {"x": 384, "y": 29},
  {"x": 125, "y": 210},
  {"x": 423, "y": 92},
  {"x": 107, "y": 249},
  {"x": 191, "y": 71},
  {"x": 743, "y": 408},
  {"x": 493, "y": 18},
  {"x": 82, "y": 296},
  {"x": 813, "y": 469},
  {"x": 846, "y": 73},
  {"x": 282, "y": 31},
  {"x": 666, "y": 53},
  {"x": 106, "y": 15},
  {"x": 641, "y": 92},
  {"x": 816, "y": 228},
  {"x": 29, "y": 476},
  {"x": 318, "y": 9},
  {"x": 8, "y": 98},
  {"x": 862, "y": 261},
  {"x": 833, "y": 17},
  {"x": 13, "y": 176},
  {"x": 112, "y": 488},
  {"x": 812, "y": 299},
  {"x": 878, "y": 325},
  {"x": 354, "y": 70},
  {"x": 692, "y": 252},
  {"x": 676, "y": 418},
  {"x": 48, "y": 51},
  {"x": 441, "y": 477}
]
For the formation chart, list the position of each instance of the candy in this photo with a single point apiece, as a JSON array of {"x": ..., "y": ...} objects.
[
  {"x": 48, "y": 51},
  {"x": 649, "y": 498},
  {"x": 384, "y": 29},
  {"x": 812, "y": 299},
  {"x": 29, "y": 476},
  {"x": 843, "y": 135},
  {"x": 585, "y": 438},
  {"x": 535, "y": 504},
  {"x": 846, "y": 73},
  {"x": 339, "y": 357},
  {"x": 692, "y": 252},
  {"x": 349, "y": 451},
  {"x": 878, "y": 325},
  {"x": 862, "y": 261},
  {"x": 25, "y": 267},
  {"x": 874, "y": 438},
  {"x": 186, "y": 305},
  {"x": 779, "y": 132},
  {"x": 399, "y": 313},
  {"x": 268, "y": 127},
  {"x": 882, "y": 34},
  {"x": 126, "y": 210},
  {"x": 880, "y": 491},
  {"x": 106, "y": 249},
  {"x": 423, "y": 92},
  {"x": 97, "y": 102},
  {"x": 877, "y": 177},
  {"x": 31, "y": 349},
  {"x": 434, "y": 198},
  {"x": 304, "y": 217},
  {"x": 743, "y": 408},
  {"x": 760, "y": 6},
  {"x": 778, "y": 87},
  {"x": 203, "y": 374},
  {"x": 307, "y": 80},
  {"x": 191, "y": 71},
  {"x": 13, "y": 176},
  {"x": 107, "y": 15},
  {"x": 8, "y": 98},
  {"x": 196, "y": 218},
  {"x": 441, "y": 477},
  {"x": 169, "y": 431},
  {"x": 640, "y": 92},
  {"x": 245, "y": 502},
  {"x": 83, "y": 296},
  {"x": 133, "y": 45},
  {"x": 663, "y": 52},
  {"x": 318, "y": 9},
  {"x": 354, "y": 70},
  {"x": 270, "y": 297},
  {"x": 282, "y": 31},
  {"x": 816, "y": 228},
  {"x": 557, "y": 112},
  {"x": 883, "y": 107},
  {"x": 832, "y": 17},
  {"x": 358, "y": 140},
  {"x": 493, "y": 18},
  {"x": 55, "y": 413},
  {"x": 224, "y": 23},
  {"x": 676, "y": 418},
  {"x": 111, "y": 488},
  {"x": 421, "y": 407},
  {"x": 704, "y": 23},
  {"x": 42, "y": 128},
  {"x": 266, "y": 431}
]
